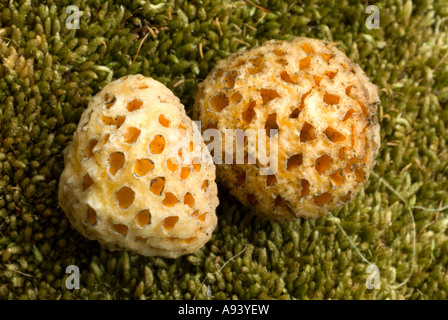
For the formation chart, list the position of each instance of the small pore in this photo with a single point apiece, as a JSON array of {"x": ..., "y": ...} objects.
[
  {"x": 109, "y": 101},
  {"x": 125, "y": 197},
  {"x": 359, "y": 174},
  {"x": 307, "y": 48},
  {"x": 349, "y": 114},
  {"x": 286, "y": 77},
  {"x": 333, "y": 135},
  {"x": 156, "y": 186},
  {"x": 294, "y": 162},
  {"x": 91, "y": 216},
  {"x": 317, "y": 79},
  {"x": 337, "y": 178},
  {"x": 103, "y": 141},
  {"x": 219, "y": 102},
  {"x": 279, "y": 52},
  {"x": 134, "y": 105},
  {"x": 142, "y": 167},
  {"x": 116, "y": 162},
  {"x": 157, "y": 145},
  {"x": 143, "y": 218},
  {"x": 189, "y": 200},
  {"x": 331, "y": 99},
  {"x": 204, "y": 185},
  {"x": 86, "y": 182},
  {"x": 184, "y": 173},
  {"x": 170, "y": 200},
  {"x": 248, "y": 112},
  {"x": 230, "y": 79},
  {"x": 202, "y": 217},
  {"x": 258, "y": 65},
  {"x": 120, "y": 229},
  {"x": 235, "y": 97},
  {"x": 330, "y": 74},
  {"x": 271, "y": 124},
  {"x": 305, "y": 188},
  {"x": 164, "y": 121},
  {"x": 131, "y": 135},
  {"x": 196, "y": 164},
  {"x": 171, "y": 164},
  {"x": 307, "y": 132},
  {"x": 252, "y": 200},
  {"x": 326, "y": 56},
  {"x": 271, "y": 180},
  {"x": 88, "y": 151},
  {"x": 305, "y": 63},
  {"x": 268, "y": 95},
  {"x": 188, "y": 240},
  {"x": 109, "y": 121},
  {"x": 322, "y": 164},
  {"x": 322, "y": 199}
]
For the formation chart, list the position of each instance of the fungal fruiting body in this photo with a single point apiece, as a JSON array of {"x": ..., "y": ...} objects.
[
  {"x": 322, "y": 108},
  {"x": 130, "y": 179}
]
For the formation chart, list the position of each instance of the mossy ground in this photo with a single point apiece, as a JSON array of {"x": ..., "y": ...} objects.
[{"x": 48, "y": 74}]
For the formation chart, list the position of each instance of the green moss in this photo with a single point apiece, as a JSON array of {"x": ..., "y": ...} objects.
[{"x": 49, "y": 73}]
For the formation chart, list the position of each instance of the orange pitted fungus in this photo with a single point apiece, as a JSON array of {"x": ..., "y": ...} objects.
[
  {"x": 121, "y": 185},
  {"x": 324, "y": 108}
]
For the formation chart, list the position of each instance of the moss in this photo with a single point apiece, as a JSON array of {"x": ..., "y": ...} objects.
[{"x": 49, "y": 73}]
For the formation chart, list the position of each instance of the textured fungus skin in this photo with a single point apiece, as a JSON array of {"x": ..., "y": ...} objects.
[
  {"x": 117, "y": 186},
  {"x": 324, "y": 107}
]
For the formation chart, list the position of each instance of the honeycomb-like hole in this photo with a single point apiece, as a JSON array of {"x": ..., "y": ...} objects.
[
  {"x": 120, "y": 229},
  {"x": 346, "y": 197},
  {"x": 156, "y": 186},
  {"x": 348, "y": 90},
  {"x": 235, "y": 97},
  {"x": 141, "y": 239},
  {"x": 326, "y": 56},
  {"x": 195, "y": 213},
  {"x": 196, "y": 165},
  {"x": 230, "y": 79},
  {"x": 252, "y": 200},
  {"x": 182, "y": 130},
  {"x": 363, "y": 107},
  {"x": 305, "y": 63},
  {"x": 271, "y": 180},
  {"x": 157, "y": 145},
  {"x": 164, "y": 121},
  {"x": 248, "y": 112},
  {"x": 305, "y": 188},
  {"x": 359, "y": 174},
  {"x": 184, "y": 173},
  {"x": 125, "y": 197},
  {"x": 352, "y": 137},
  {"x": 171, "y": 164},
  {"x": 337, "y": 178},
  {"x": 219, "y": 102},
  {"x": 317, "y": 79},
  {"x": 271, "y": 123},
  {"x": 294, "y": 162},
  {"x": 280, "y": 202},
  {"x": 349, "y": 165},
  {"x": 258, "y": 65},
  {"x": 91, "y": 216},
  {"x": 349, "y": 114},
  {"x": 279, "y": 52},
  {"x": 170, "y": 200},
  {"x": 88, "y": 151},
  {"x": 109, "y": 121},
  {"x": 188, "y": 240},
  {"x": 103, "y": 141},
  {"x": 204, "y": 185},
  {"x": 296, "y": 112},
  {"x": 143, "y": 218},
  {"x": 189, "y": 200},
  {"x": 341, "y": 153},
  {"x": 131, "y": 135},
  {"x": 238, "y": 64},
  {"x": 142, "y": 167},
  {"x": 268, "y": 95},
  {"x": 219, "y": 73},
  {"x": 134, "y": 105},
  {"x": 330, "y": 74},
  {"x": 241, "y": 180},
  {"x": 307, "y": 48},
  {"x": 109, "y": 101},
  {"x": 322, "y": 199},
  {"x": 307, "y": 132},
  {"x": 331, "y": 99},
  {"x": 286, "y": 77},
  {"x": 116, "y": 162},
  {"x": 282, "y": 61},
  {"x": 323, "y": 163},
  {"x": 202, "y": 217},
  {"x": 333, "y": 135},
  {"x": 86, "y": 182}
]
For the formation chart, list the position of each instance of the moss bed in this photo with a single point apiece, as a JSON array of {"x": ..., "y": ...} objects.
[{"x": 48, "y": 73}]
